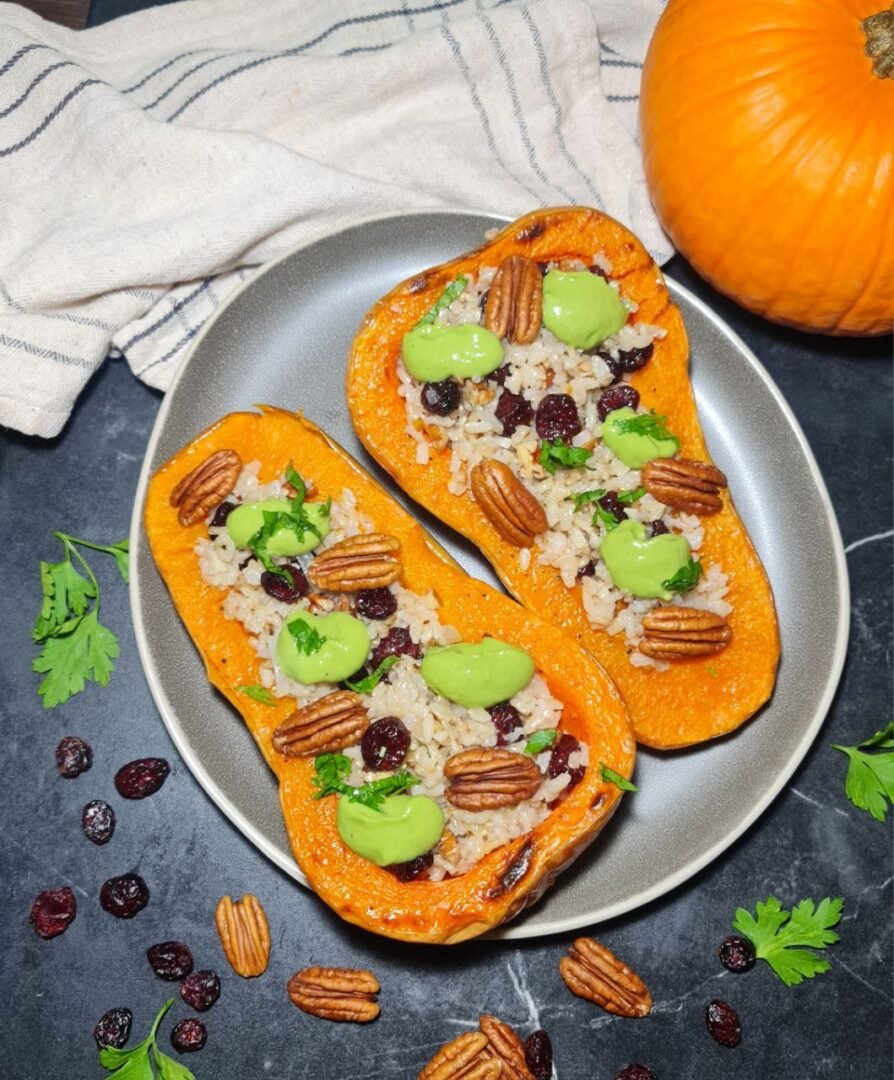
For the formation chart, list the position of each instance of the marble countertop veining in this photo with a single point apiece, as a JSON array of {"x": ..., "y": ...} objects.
[{"x": 811, "y": 842}]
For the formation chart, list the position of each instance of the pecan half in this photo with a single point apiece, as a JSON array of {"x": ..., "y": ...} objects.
[
  {"x": 367, "y": 561},
  {"x": 463, "y": 1058},
  {"x": 508, "y": 505},
  {"x": 206, "y": 486},
  {"x": 505, "y": 1046},
  {"x": 328, "y": 724},
  {"x": 336, "y": 993},
  {"x": 486, "y": 778},
  {"x": 244, "y": 934},
  {"x": 594, "y": 972},
  {"x": 677, "y": 633},
  {"x": 514, "y": 307},
  {"x": 690, "y": 486}
]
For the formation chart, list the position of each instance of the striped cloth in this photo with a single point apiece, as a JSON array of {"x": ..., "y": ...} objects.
[{"x": 146, "y": 166}]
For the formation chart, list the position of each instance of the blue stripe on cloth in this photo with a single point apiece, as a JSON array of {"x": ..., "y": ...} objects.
[
  {"x": 516, "y": 109},
  {"x": 185, "y": 75},
  {"x": 356, "y": 20},
  {"x": 161, "y": 68},
  {"x": 556, "y": 106},
  {"x": 63, "y": 316},
  {"x": 47, "y": 354},
  {"x": 175, "y": 309},
  {"x": 622, "y": 97},
  {"x": 366, "y": 49},
  {"x": 35, "y": 82},
  {"x": 51, "y": 116},
  {"x": 17, "y": 56},
  {"x": 187, "y": 337},
  {"x": 621, "y": 63},
  {"x": 478, "y": 105}
]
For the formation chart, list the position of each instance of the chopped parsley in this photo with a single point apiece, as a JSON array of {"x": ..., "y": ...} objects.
[
  {"x": 606, "y": 517},
  {"x": 584, "y": 497},
  {"x": 332, "y": 769},
  {"x": 370, "y": 682},
  {"x": 686, "y": 577},
  {"x": 870, "y": 777},
  {"x": 297, "y": 520},
  {"x": 558, "y": 454},
  {"x": 777, "y": 935},
  {"x": 307, "y": 639},
  {"x": 628, "y": 497},
  {"x": 649, "y": 424},
  {"x": 611, "y": 777},
  {"x": 541, "y": 740},
  {"x": 258, "y": 693},
  {"x": 444, "y": 300}
]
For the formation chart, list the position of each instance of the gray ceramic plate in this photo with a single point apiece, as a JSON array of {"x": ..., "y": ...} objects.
[{"x": 283, "y": 339}]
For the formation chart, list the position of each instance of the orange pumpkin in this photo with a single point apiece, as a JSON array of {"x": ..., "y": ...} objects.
[
  {"x": 768, "y": 140},
  {"x": 696, "y": 699},
  {"x": 508, "y": 878}
]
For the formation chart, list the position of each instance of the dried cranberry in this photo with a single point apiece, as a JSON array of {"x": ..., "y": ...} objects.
[
  {"x": 635, "y": 1072},
  {"x": 397, "y": 642},
  {"x": 614, "y": 366},
  {"x": 587, "y": 570},
  {"x": 617, "y": 397},
  {"x": 512, "y": 410},
  {"x": 188, "y": 1035},
  {"x": 288, "y": 586},
  {"x": 658, "y": 528},
  {"x": 557, "y": 417},
  {"x": 613, "y": 505},
  {"x": 723, "y": 1023},
  {"x": 124, "y": 896},
  {"x": 500, "y": 375},
  {"x": 200, "y": 990},
  {"x": 385, "y": 744},
  {"x": 73, "y": 757},
  {"x": 221, "y": 514},
  {"x": 113, "y": 1029},
  {"x": 53, "y": 911},
  {"x": 375, "y": 603},
  {"x": 737, "y": 953},
  {"x": 558, "y": 761},
  {"x": 506, "y": 719},
  {"x": 633, "y": 359},
  {"x": 141, "y": 778},
  {"x": 409, "y": 871},
  {"x": 441, "y": 398},
  {"x": 98, "y": 821},
  {"x": 598, "y": 271},
  {"x": 539, "y": 1055},
  {"x": 170, "y": 960}
]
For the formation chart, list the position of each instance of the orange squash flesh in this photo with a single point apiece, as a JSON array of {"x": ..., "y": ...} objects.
[
  {"x": 694, "y": 700},
  {"x": 507, "y": 879}
]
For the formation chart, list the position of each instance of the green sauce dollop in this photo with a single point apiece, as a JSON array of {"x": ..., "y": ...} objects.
[
  {"x": 581, "y": 308},
  {"x": 404, "y": 827},
  {"x": 633, "y": 449},
  {"x": 640, "y": 566},
  {"x": 433, "y": 353},
  {"x": 342, "y": 653},
  {"x": 477, "y": 675},
  {"x": 247, "y": 519}
]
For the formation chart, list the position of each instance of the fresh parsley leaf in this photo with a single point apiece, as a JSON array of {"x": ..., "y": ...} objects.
[
  {"x": 558, "y": 454},
  {"x": 686, "y": 577},
  {"x": 135, "y": 1063},
  {"x": 778, "y": 935},
  {"x": 712, "y": 672},
  {"x": 297, "y": 483},
  {"x": 258, "y": 693},
  {"x": 66, "y": 593},
  {"x": 444, "y": 300},
  {"x": 371, "y": 681},
  {"x": 374, "y": 793},
  {"x": 628, "y": 497},
  {"x": 607, "y": 518},
  {"x": 541, "y": 740},
  {"x": 583, "y": 497},
  {"x": 306, "y": 638},
  {"x": 870, "y": 777},
  {"x": 169, "y": 1068},
  {"x": 644, "y": 424},
  {"x": 80, "y": 651},
  {"x": 330, "y": 773},
  {"x": 611, "y": 777}
]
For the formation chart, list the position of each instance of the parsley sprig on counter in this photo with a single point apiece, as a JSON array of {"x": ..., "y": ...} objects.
[
  {"x": 779, "y": 936},
  {"x": 332, "y": 769},
  {"x": 137, "y": 1062},
  {"x": 870, "y": 776},
  {"x": 77, "y": 648}
]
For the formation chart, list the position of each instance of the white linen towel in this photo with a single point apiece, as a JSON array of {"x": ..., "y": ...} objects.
[{"x": 147, "y": 165}]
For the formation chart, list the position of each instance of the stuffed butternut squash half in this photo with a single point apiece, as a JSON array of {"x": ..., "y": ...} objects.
[
  {"x": 534, "y": 394},
  {"x": 441, "y": 754}
]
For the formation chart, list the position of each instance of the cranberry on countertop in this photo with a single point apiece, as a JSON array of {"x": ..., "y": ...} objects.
[
  {"x": 385, "y": 744},
  {"x": 188, "y": 1035},
  {"x": 737, "y": 953},
  {"x": 113, "y": 1029},
  {"x": 723, "y": 1024},
  {"x": 200, "y": 990},
  {"x": 98, "y": 821},
  {"x": 557, "y": 417},
  {"x": 141, "y": 778},
  {"x": 73, "y": 757},
  {"x": 397, "y": 642},
  {"x": 124, "y": 896},
  {"x": 539, "y": 1055},
  {"x": 507, "y": 719},
  {"x": 170, "y": 960},
  {"x": 53, "y": 911},
  {"x": 635, "y": 1072}
]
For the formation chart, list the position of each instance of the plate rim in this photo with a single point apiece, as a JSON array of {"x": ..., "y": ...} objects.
[{"x": 511, "y": 931}]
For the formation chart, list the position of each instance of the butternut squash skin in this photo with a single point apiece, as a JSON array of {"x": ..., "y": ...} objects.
[
  {"x": 507, "y": 879},
  {"x": 694, "y": 700}
]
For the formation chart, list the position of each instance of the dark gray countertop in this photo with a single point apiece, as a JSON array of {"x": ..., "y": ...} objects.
[{"x": 811, "y": 842}]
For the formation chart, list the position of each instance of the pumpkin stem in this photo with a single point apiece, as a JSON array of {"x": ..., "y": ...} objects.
[{"x": 879, "y": 31}]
